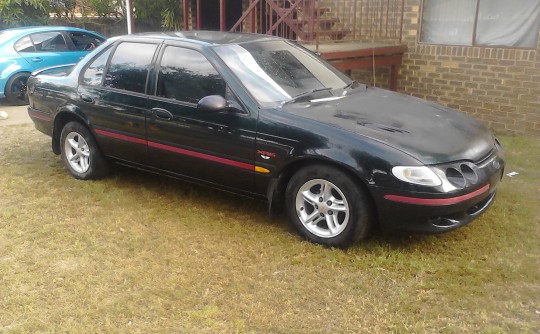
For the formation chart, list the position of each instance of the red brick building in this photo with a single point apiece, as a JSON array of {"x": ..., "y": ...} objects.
[{"x": 497, "y": 85}]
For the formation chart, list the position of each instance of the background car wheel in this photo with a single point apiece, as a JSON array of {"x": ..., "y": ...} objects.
[
  {"x": 80, "y": 152},
  {"x": 327, "y": 207},
  {"x": 16, "y": 89}
]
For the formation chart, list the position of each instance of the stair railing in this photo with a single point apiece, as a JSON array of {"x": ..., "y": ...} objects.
[{"x": 293, "y": 19}]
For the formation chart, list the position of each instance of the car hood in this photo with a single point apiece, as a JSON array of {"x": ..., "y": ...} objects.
[{"x": 425, "y": 130}]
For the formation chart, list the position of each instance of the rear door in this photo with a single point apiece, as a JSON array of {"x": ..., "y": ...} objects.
[
  {"x": 45, "y": 49},
  {"x": 112, "y": 92},
  {"x": 213, "y": 146}
]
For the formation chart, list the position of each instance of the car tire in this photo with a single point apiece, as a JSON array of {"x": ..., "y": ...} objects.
[
  {"x": 327, "y": 207},
  {"x": 81, "y": 154},
  {"x": 15, "y": 91}
]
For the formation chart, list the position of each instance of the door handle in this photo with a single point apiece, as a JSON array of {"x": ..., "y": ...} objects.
[
  {"x": 86, "y": 98},
  {"x": 37, "y": 60},
  {"x": 162, "y": 114}
]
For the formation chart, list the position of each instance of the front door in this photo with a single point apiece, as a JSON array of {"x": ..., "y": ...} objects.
[{"x": 212, "y": 146}]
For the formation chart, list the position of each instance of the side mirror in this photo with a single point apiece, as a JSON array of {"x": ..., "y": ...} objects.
[{"x": 212, "y": 103}]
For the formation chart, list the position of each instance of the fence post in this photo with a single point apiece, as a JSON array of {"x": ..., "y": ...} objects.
[
  {"x": 185, "y": 5},
  {"x": 222, "y": 18},
  {"x": 130, "y": 21}
]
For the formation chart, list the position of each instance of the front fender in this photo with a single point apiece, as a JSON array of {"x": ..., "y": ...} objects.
[{"x": 286, "y": 143}]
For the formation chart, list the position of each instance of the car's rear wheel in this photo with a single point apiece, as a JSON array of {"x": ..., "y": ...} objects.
[
  {"x": 327, "y": 207},
  {"x": 16, "y": 89},
  {"x": 80, "y": 152}
]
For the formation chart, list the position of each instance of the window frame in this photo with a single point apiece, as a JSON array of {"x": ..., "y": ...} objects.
[
  {"x": 112, "y": 47},
  {"x": 148, "y": 73},
  {"x": 109, "y": 48},
  {"x": 207, "y": 52},
  {"x": 157, "y": 67},
  {"x": 473, "y": 36},
  {"x": 60, "y": 33},
  {"x": 20, "y": 39},
  {"x": 68, "y": 36}
]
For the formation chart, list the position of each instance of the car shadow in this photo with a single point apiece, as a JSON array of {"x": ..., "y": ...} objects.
[
  {"x": 257, "y": 208},
  {"x": 172, "y": 188},
  {"x": 6, "y": 103}
]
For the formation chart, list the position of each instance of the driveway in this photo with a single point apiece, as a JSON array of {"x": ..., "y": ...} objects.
[{"x": 15, "y": 114}]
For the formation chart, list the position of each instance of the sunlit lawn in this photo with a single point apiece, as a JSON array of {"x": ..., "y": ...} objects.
[{"x": 139, "y": 253}]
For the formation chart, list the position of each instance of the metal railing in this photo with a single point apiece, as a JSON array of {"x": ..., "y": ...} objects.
[
  {"x": 324, "y": 20},
  {"x": 310, "y": 21}
]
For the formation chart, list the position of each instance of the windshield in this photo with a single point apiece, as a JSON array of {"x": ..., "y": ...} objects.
[{"x": 277, "y": 71}]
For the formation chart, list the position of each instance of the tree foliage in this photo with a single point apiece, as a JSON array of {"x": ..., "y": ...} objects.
[
  {"x": 14, "y": 13},
  {"x": 169, "y": 11},
  {"x": 105, "y": 8}
]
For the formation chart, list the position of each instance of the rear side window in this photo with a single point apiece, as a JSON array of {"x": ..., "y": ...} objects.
[
  {"x": 186, "y": 75},
  {"x": 128, "y": 69},
  {"x": 49, "y": 41},
  {"x": 24, "y": 45},
  {"x": 84, "y": 41},
  {"x": 93, "y": 74}
]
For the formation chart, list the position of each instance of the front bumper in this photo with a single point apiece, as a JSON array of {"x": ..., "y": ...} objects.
[{"x": 440, "y": 212}]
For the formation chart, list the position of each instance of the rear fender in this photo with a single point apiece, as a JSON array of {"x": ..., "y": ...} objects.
[{"x": 66, "y": 114}]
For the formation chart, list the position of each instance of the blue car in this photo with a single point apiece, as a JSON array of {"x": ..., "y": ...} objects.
[{"x": 24, "y": 50}]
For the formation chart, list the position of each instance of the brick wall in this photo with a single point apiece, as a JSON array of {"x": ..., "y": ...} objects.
[
  {"x": 381, "y": 77},
  {"x": 498, "y": 86}
]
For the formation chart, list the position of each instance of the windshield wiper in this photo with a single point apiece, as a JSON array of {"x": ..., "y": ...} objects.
[
  {"x": 304, "y": 94},
  {"x": 352, "y": 85}
]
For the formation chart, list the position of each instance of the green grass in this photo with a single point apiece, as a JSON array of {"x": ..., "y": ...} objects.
[{"x": 139, "y": 253}]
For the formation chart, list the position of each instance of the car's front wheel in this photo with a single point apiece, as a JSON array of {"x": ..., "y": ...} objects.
[
  {"x": 16, "y": 89},
  {"x": 80, "y": 152},
  {"x": 327, "y": 207}
]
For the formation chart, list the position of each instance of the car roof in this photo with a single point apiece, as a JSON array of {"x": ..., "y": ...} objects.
[
  {"x": 206, "y": 37},
  {"x": 32, "y": 29}
]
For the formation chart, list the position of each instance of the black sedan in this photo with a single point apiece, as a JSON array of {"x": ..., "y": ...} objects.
[{"x": 261, "y": 116}]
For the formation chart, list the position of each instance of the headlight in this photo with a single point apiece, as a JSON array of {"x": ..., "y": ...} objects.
[{"x": 418, "y": 175}]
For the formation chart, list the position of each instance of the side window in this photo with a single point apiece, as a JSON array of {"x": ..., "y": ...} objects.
[
  {"x": 24, "y": 45},
  {"x": 94, "y": 72},
  {"x": 186, "y": 75},
  {"x": 84, "y": 41},
  {"x": 129, "y": 66},
  {"x": 49, "y": 41}
]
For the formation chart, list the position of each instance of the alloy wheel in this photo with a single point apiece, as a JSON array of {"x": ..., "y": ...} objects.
[
  {"x": 322, "y": 208},
  {"x": 18, "y": 88},
  {"x": 77, "y": 152}
]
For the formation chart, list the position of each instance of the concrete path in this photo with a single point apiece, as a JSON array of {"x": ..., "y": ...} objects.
[{"x": 15, "y": 114}]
